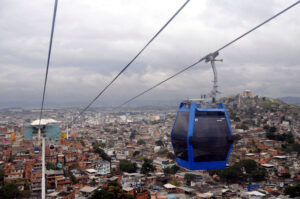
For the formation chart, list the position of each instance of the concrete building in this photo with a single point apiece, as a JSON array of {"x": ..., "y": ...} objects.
[
  {"x": 103, "y": 167},
  {"x": 49, "y": 128},
  {"x": 247, "y": 93}
]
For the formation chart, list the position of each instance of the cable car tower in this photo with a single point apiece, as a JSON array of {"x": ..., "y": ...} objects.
[{"x": 201, "y": 135}]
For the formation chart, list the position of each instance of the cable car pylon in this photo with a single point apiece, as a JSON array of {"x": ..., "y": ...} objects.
[
  {"x": 201, "y": 135},
  {"x": 212, "y": 59}
]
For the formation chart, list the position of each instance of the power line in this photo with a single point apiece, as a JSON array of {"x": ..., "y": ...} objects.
[
  {"x": 116, "y": 77},
  {"x": 48, "y": 60},
  {"x": 256, "y": 27},
  {"x": 156, "y": 85},
  {"x": 205, "y": 57}
]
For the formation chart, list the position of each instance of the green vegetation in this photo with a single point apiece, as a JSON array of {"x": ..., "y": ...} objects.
[
  {"x": 74, "y": 166},
  {"x": 171, "y": 170},
  {"x": 147, "y": 166},
  {"x": 82, "y": 143},
  {"x": 52, "y": 166},
  {"x": 243, "y": 126},
  {"x": 270, "y": 129},
  {"x": 112, "y": 191},
  {"x": 155, "y": 122},
  {"x": 291, "y": 148},
  {"x": 98, "y": 144},
  {"x": 189, "y": 177},
  {"x": 26, "y": 193},
  {"x": 237, "y": 137},
  {"x": 175, "y": 183},
  {"x": 141, "y": 142},
  {"x": 135, "y": 153},
  {"x": 9, "y": 190},
  {"x": 127, "y": 166},
  {"x": 159, "y": 143},
  {"x": 132, "y": 135},
  {"x": 93, "y": 182},
  {"x": 110, "y": 144},
  {"x": 296, "y": 148},
  {"x": 101, "y": 152},
  {"x": 1, "y": 176},
  {"x": 171, "y": 155},
  {"x": 292, "y": 191},
  {"x": 287, "y": 137},
  {"x": 73, "y": 178},
  {"x": 162, "y": 152},
  {"x": 245, "y": 170}
]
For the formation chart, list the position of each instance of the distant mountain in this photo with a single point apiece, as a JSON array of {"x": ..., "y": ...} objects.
[{"x": 291, "y": 100}]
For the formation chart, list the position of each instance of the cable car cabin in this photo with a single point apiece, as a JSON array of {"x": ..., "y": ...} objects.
[
  {"x": 51, "y": 146},
  {"x": 36, "y": 150},
  {"x": 201, "y": 137}
]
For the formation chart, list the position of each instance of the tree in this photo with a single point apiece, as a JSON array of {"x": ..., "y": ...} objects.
[
  {"x": 271, "y": 136},
  {"x": 26, "y": 193},
  {"x": 171, "y": 170},
  {"x": 1, "y": 176},
  {"x": 147, "y": 166},
  {"x": 292, "y": 191},
  {"x": 93, "y": 182},
  {"x": 112, "y": 191},
  {"x": 9, "y": 190},
  {"x": 132, "y": 135},
  {"x": 135, "y": 153},
  {"x": 74, "y": 166},
  {"x": 188, "y": 177},
  {"x": 272, "y": 129},
  {"x": 141, "y": 142},
  {"x": 171, "y": 155},
  {"x": 72, "y": 177},
  {"x": 175, "y": 183},
  {"x": 101, "y": 152},
  {"x": 127, "y": 166},
  {"x": 266, "y": 127},
  {"x": 50, "y": 165},
  {"x": 237, "y": 137},
  {"x": 82, "y": 143},
  {"x": 110, "y": 144},
  {"x": 159, "y": 143},
  {"x": 162, "y": 151},
  {"x": 296, "y": 147},
  {"x": 241, "y": 171},
  {"x": 244, "y": 126}
]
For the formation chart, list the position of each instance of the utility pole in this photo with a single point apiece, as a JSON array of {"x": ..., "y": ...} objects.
[{"x": 43, "y": 169}]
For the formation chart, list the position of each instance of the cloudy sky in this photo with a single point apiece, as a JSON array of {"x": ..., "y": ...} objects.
[{"x": 95, "y": 39}]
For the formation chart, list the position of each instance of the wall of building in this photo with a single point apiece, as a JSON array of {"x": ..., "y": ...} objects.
[{"x": 52, "y": 131}]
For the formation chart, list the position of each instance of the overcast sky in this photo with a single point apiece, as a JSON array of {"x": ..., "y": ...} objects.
[{"x": 95, "y": 39}]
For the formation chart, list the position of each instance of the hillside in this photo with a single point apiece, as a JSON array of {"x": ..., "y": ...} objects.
[
  {"x": 291, "y": 100},
  {"x": 261, "y": 111}
]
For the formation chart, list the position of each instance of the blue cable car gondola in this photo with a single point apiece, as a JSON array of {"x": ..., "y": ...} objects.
[
  {"x": 201, "y": 135},
  {"x": 36, "y": 150}
]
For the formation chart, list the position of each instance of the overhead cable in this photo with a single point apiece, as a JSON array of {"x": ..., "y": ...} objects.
[
  {"x": 48, "y": 60},
  {"x": 205, "y": 57},
  {"x": 132, "y": 60}
]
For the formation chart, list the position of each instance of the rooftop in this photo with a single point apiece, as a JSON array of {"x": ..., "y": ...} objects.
[{"x": 43, "y": 122}]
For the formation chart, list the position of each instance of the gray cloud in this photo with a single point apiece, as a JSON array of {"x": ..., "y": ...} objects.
[{"x": 93, "y": 40}]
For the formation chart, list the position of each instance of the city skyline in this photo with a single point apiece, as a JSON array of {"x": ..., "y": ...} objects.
[{"x": 93, "y": 41}]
